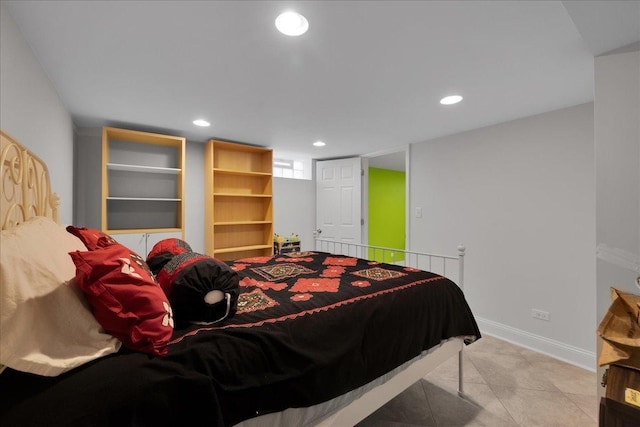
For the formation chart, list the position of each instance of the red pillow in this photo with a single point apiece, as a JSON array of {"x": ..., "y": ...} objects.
[
  {"x": 92, "y": 238},
  {"x": 126, "y": 301}
]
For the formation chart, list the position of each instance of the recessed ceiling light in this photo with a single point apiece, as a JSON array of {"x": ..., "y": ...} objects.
[
  {"x": 449, "y": 100},
  {"x": 319, "y": 144},
  {"x": 202, "y": 123},
  {"x": 292, "y": 24}
]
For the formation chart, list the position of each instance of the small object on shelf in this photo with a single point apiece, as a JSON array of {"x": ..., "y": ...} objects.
[{"x": 282, "y": 245}]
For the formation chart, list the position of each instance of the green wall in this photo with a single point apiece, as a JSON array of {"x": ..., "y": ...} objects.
[{"x": 386, "y": 212}]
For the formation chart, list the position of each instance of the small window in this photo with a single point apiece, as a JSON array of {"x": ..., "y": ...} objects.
[{"x": 288, "y": 168}]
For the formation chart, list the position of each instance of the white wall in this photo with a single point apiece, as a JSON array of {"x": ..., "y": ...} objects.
[
  {"x": 88, "y": 183},
  {"x": 617, "y": 147},
  {"x": 32, "y": 113},
  {"x": 520, "y": 196},
  {"x": 194, "y": 196},
  {"x": 294, "y": 209}
]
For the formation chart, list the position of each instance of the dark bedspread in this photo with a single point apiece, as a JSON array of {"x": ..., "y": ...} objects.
[{"x": 310, "y": 326}]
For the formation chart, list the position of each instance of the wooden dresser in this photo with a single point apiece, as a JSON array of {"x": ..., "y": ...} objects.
[{"x": 621, "y": 405}]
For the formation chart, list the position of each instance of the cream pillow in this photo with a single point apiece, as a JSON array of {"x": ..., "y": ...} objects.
[{"x": 46, "y": 325}]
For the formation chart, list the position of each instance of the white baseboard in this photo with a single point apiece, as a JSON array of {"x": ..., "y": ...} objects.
[{"x": 556, "y": 349}]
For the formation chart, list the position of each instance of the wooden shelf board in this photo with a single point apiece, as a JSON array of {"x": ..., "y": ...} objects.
[
  {"x": 143, "y": 230},
  {"x": 242, "y": 195},
  {"x": 241, "y": 172},
  {"x": 145, "y": 199},
  {"x": 226, "y": 223},
  {"x": 241, "y": 248},
  {"x": 140, "y": 168}
]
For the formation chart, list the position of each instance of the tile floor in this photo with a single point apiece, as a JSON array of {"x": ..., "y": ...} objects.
[{"x": 505, "y": 385}]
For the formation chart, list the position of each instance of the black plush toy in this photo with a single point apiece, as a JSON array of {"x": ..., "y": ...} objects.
[{"x": 200, "y": 288}]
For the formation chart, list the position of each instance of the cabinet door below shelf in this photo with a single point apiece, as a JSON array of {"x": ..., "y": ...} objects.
[{"x": 142, "y": 243}]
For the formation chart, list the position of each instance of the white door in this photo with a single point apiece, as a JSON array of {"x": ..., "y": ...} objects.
[{"x": 338, "y": 199}]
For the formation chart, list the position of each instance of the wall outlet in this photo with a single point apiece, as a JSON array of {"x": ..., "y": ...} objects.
[{"x": 539, "y": 314}]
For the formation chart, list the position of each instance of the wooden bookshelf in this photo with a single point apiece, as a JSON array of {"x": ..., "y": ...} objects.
[{"x": 238, "y": 200}]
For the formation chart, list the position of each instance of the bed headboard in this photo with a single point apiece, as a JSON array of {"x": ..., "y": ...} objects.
[{"x": 25, "y": 189}]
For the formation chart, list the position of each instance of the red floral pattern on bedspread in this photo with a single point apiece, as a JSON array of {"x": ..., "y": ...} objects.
[
  {"x": 318, "y": 281},
  {"x": 250, "y": 281},
  {"x": 333, "y": 271},
  {"x": 316, "y": 285},
  {"x": 332, "y": 260},
  {"x": 255, "y": 260},
  {"x": 301, "y": 297},
  {"x": 361, "y": 283}
]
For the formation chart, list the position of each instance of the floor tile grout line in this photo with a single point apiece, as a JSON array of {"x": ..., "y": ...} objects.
[
  {"x": 494, "y": 393},
  {"x": 426, "y": 398},
  {"x": 578, "y": 406}
]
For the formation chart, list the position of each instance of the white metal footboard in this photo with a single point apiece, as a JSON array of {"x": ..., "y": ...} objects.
[
  {"x": 439, "y": 264},
  {"x": 435, "y": 263}
]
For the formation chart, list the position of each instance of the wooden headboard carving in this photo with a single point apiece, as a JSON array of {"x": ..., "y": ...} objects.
[{"x": 25, "y": 189}]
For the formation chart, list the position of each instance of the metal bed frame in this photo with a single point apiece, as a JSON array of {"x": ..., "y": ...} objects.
[{"x": 421, "y": 260}]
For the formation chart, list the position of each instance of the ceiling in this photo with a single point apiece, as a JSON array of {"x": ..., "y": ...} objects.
[{"x": 366, "y": 78}]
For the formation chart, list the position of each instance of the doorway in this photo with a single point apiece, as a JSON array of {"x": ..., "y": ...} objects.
[
  {"x": 385, "y": 201},
  {"x": 342, "y": 199}
]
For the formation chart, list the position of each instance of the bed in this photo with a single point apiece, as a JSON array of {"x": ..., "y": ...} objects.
[{"x": 320, "y": 337}]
